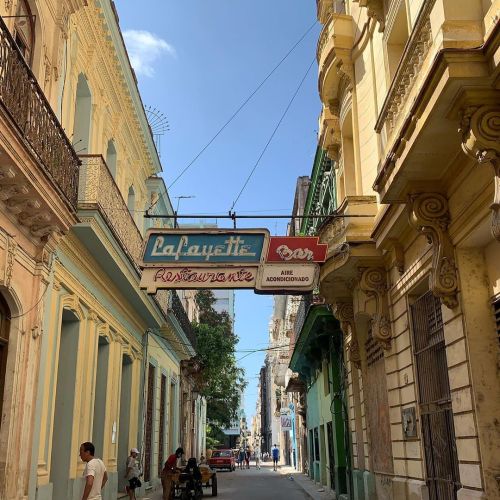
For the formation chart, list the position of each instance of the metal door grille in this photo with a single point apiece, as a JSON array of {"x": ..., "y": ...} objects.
[
  {"x": 161, "y": 436},
  {"x": 434, "y": 398},
  {"x": 496, "y": 312},
  {"x": 149, "y": 424}
]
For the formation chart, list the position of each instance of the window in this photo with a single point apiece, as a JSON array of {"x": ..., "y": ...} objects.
[
  {"x": 24, "y": 31},
  {"x": 131, "y": 201},
  {"x": 83, "y": 113},
  {"x": 111, "y": 157},
  {"x": 496, "y": 312},
  {"x": 4, "y": 341},
  {"x": 396, "y": 40}
]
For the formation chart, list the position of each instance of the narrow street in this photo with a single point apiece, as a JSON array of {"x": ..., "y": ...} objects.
[{"x": 251, "y": 484}]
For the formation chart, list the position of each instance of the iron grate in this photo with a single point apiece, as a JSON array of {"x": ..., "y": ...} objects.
[
  {"x": 374, "y": 351},
  {"x": 496, "y": 312}
]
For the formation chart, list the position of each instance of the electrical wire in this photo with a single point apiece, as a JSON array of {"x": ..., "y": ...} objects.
[
  {"x": 273, "y": 133},
  {"x": 245, "y": 102}
]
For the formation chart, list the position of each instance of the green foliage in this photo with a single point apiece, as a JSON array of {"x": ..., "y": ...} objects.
[
  {"x": 223, "y": 380},
  {"x": 215, "y": 437}
]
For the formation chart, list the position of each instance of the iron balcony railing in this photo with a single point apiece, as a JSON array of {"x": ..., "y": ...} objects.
[
  {"x": 24, "y": 102},
  {"x": 98, "y": 190},
  {"x": 300, "y": 318},
  {"x": 180, "y": 314}
]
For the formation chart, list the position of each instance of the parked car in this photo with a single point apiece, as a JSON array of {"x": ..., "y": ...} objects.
[{"x": 222, "y": 459}]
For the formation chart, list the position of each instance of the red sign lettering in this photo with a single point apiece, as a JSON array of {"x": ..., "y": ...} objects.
[{"x": 296, "y": 249}]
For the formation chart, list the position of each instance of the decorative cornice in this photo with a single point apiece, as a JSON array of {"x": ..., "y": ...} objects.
[
  {"x": 429, "y": 215},
  {"x": 373, "y": 282},
  {"x": 480, "y": 129},
  {"x": 343, "y": 310},
  {"x": 354, "y": 355},
  {"x": 375, "y": 9},
  {"x": 412, "y": 60}
]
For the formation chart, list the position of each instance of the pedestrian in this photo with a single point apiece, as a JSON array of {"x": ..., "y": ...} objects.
[
  {"x": 248, "y": 454},
  {"x": 241, "y": 458},
  {"x": 275, "y": 452},
  {"x": 133, "y": 472},
  {"x": 95, "y": 473},
  {"x": 169, "y": 469},
  {"x": 257, "y": 457}
]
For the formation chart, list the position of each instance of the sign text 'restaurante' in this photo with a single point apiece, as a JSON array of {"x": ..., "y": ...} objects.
[{"x": 204, "y": 248}]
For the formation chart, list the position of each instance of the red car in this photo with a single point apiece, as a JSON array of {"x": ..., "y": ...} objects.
[{"x": 222, "y": 459}]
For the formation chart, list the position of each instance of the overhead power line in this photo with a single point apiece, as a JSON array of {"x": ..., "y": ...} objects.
[
  {"x": 245, "y": 102},
  {"x": 271, "y": 137}
]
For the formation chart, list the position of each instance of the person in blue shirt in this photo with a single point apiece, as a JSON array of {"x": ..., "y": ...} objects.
[
  {"x": 275, "y": 452},
  {"x": 241, "y": 458}
]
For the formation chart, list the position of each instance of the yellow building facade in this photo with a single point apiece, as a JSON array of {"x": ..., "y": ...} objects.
[
  {"x": 85, "y": 355},
  {"x": 410, "y": 94}
]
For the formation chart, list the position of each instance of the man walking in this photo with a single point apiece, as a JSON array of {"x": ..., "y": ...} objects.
[
  {"x": 168, "y": 471},
  {"x": 241, "y": 458},
  {"x": 275, "y": 452},
  {"x": 95, "y": 473},
  {"x": 133, "y": 472},
  {"x": 257, "y": 457}
]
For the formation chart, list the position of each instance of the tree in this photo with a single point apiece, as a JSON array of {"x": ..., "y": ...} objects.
[{"x": 223, "y": 379}]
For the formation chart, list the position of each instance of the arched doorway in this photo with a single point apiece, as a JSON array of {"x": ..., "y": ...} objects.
[{"x": 4, "y": 344}]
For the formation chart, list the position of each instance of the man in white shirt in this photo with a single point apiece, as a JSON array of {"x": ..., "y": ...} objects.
[
  {"x": 257, "y": 456},
  {"x": 95, "y": 473}
]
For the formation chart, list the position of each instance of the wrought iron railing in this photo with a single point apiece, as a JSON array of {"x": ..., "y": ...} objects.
[
  {"x": 98, "y": 190},
  {"x": 300, "y": 319},
  {"x": 25, "y": 103},
  {"x": 180, "y": 314}
]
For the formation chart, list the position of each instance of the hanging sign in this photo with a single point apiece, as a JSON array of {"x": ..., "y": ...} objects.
[
  {"x": 223, "y": 258},
  {"x": 198, "y": 277},
  {"x": 295, "y": 249},
  {"x": 296, "y": 277},
  {"x": 286, "y": 420},
  {"x": 182, "y": 247}
]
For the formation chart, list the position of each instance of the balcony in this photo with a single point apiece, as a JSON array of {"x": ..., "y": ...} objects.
[
  {"x": 180, "y": 315},
  {"x": 29, "y": 125},
  {"x": 25, "y": 104},
  {"x": 334, "y": 56},
  {"x": 98, "y": 191},
  {"x": 305, "y": 303}
]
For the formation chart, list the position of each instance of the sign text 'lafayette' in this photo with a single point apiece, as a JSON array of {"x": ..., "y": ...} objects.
[{"x": 210, "y": 247}]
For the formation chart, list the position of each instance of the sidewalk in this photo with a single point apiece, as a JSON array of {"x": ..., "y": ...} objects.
[{"x": 312, "y": 490}]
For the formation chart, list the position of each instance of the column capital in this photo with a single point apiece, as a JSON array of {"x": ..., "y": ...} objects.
[
  {"x": 373, "y": 282},
  {"x": 480, "y": 129},
  {"x": 429, "y": 215}
]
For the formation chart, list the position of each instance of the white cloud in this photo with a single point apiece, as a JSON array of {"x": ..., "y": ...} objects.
[{"x": 144, "y": 49}]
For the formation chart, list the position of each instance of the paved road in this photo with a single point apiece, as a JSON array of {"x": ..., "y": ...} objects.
[{"x": 252, "y": 484}]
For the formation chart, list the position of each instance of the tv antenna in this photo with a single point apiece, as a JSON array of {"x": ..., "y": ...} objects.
[{"x": 158, "y": 124}]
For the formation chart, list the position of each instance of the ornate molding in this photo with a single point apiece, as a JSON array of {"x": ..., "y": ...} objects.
[
  {"x": 10, "y": 259},
  {"x": 480, "y": 129},
  {"x": 410, "y": 65},
  {"x": 344, "y": 312},
  {"x": 375, "y": 10},
  {"x": 429, "y": 215},
  {"x": 373, "y": 282},
  {"x": 354, "y": 355},
  {"x": 24, "y": 203}
]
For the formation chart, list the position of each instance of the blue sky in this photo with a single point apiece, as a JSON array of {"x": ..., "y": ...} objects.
[{"x": 197, "y": 61}]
